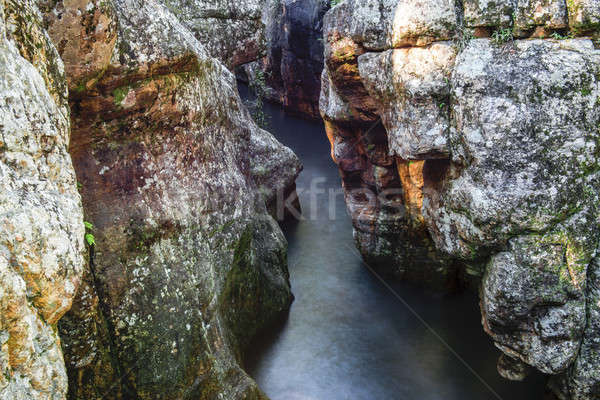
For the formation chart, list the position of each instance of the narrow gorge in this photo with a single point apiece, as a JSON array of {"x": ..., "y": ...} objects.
[{"x": 148, "y": 199}]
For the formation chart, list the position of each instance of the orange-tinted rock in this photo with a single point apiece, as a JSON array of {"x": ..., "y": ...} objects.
[
  {"x": 85, "y": 33},
  {"x": 41, "y": 218}
]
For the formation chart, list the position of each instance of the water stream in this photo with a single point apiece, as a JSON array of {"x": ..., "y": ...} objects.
[{"x": 347, "y": 335}]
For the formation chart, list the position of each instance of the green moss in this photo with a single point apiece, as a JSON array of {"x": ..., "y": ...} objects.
[
  {"x": 141, "y": 237},
  {"x": 239, "y": 295},
  {"x": 80, "y": 88},
  {"x": 119, "y": 94}
]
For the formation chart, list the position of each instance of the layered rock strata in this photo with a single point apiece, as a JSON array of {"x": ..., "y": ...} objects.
[{"x": 484, "y": 118}]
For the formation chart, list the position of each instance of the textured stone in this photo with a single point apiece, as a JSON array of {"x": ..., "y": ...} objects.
[
  {"x": 384, "y": 192},
  {"x": 510, "y": 109},
  {"x": 188, "y": 266},
  {"x": 533, "y": 296},
  {"x": 531, "y": 14},
  {"x": 412, "y": 87},
  {"x": 274, "y": 168},
  {"x": 488, "y": 13},
  {"x": 420, "y": 22},
  {"x": 499, "y": 181},
  {"x": 230, "y": 30},
  {"x": 584, "y": 376},
  {"x": 367, "y": 23},
  {"x": 294, "y": 62},
  {"x": 584, "y": 15},
  {"x": 87, "y": 32},
  {"x": 523, "y": 16},
  {"x": 512, "y": 369},
  {"x": 41, "y": 219}
]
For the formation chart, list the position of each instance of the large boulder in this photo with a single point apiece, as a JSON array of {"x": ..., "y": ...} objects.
[
  {"x": 495, "y": 144},
  {"x": 41, "y": 218},
  {"x": 187, "y": 264}
]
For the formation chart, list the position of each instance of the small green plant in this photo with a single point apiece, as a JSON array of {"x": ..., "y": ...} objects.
[
  {"x": 558, "y": 36},
  {"x": 462, "y": 38},
  {"x": 334, "y": 3},
  {"x": 502, "y": 35},
  {"x": 119, "y": 94},
  {"x": 89, "y": 237}
]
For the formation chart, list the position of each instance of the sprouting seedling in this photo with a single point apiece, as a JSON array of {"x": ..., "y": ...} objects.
[
  {"x": 89, "y": 237},
  {"x": 502, "y": 35},
  {"x": 558, "y": 36}
]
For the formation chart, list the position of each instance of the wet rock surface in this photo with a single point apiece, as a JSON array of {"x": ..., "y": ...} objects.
[{"x": 492, "y": 145}]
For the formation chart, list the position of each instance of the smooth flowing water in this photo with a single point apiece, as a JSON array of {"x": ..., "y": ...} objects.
[{"x": 348, "y": 336}]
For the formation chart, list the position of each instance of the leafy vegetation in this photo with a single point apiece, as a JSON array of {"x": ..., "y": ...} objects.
[
  {"x": 462, "y": 38},
  {"x": 89, "y": 237},
  {"x": 558, "y": 36},
  {"x": 502, "y": 35},
  {"x": 335, "y": 2}
]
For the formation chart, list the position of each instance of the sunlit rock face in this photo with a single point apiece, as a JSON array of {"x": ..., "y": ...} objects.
[
  {"x": 230, "y": 30},
  {"x": 188, "y": 265},
  {"x": 294, "y": 59},
  {"x": 492, "y": 143},
  {"x": 41, "y": 218}
]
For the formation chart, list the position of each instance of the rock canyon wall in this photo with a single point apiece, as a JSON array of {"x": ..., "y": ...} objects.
[
  {"x": 185, "y": 265},
  {"x": 290, "y": 71},
  {"x": 41, "y": 218},
  {"x": 467, "y": 138}
]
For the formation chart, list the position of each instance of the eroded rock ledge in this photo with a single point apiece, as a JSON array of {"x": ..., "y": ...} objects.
[{"x": 481, "y": 121}]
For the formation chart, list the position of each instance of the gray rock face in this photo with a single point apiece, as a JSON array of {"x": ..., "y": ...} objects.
[
  {"x": 188, "y": 265},
  {"x": 412, "y": 90},
  {"x": 584, "y": 377},
  {"x": 494, "y": 149},
  {"x": 584, "y": 15},
  {"x": 230, "y": 30},
  {"x": 41, "y": 219}
]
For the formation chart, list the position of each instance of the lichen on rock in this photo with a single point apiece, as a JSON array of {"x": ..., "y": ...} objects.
[
  {"x": 187, "y": 264},
  {"x": 495, "y": 145},
  {"x": 41, "y": 219}
]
